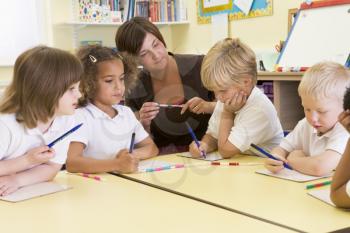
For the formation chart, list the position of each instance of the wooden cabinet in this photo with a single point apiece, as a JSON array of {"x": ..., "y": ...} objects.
[{"x": 285, "y": 96}]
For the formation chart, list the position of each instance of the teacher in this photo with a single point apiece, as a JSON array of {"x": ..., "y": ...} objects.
[{"x": 165, "y": 79}]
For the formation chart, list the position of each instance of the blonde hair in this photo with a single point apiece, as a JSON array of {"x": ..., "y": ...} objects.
[
  {"x": 325, "y": 80},
  {"x": 41, "y": 76},
  {"x": 226, "y": 63},
  {"x": 90, "y": 56}
]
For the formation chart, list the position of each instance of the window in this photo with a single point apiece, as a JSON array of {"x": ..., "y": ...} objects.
[{"x": 22, "y": 26}]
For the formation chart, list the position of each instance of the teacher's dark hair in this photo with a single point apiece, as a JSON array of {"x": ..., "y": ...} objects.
[{"x": 131, "y": 34}]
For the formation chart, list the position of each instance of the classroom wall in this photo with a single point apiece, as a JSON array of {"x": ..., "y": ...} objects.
[{"x": 261, "y": 33}]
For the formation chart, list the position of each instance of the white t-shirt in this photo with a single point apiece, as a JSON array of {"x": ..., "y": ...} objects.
[
  {"x": 104, "y": 136},
  {"x": 256, "y": 122},
  {"x": 16, "y": 139},
  {"x": 304, "y": 137}
]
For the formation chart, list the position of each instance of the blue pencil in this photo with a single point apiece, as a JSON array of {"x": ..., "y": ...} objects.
[
  {"x": 132, "y": 142},
  {"x": 190, "y": 130},
  {"x": 64, "y": 135},
  {"x": 269, "y": 155}
]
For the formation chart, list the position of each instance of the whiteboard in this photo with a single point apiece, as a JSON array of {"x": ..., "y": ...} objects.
[{"x": 318, "y": 34}]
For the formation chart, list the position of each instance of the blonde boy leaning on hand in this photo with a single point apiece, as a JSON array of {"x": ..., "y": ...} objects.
[
  {"x": 316, "y": 144},
  {"x": 243, "y": 114}
]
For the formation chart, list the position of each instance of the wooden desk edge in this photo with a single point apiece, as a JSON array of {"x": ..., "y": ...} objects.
[{"x": 280, "y": 76}]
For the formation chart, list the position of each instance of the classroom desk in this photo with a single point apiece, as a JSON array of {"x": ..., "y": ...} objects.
[
  {"x": 119, "y": 205},
  {"x": 240, "y": 189}
]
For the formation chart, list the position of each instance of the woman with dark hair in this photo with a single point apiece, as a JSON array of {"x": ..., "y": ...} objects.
[{"x": 169, "y": 91}]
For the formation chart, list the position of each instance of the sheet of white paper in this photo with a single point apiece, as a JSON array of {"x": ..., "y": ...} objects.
[
  {"x": 213, "y": 156},
  {"x": 323, "y": 195},
  {"x": 291, "y": 175},
  {"x": 244, "y": 5},
  {"x": 219, "y": 27},
  {"x": 153, "y": 164},
  {"x": 35, "y": 190}
]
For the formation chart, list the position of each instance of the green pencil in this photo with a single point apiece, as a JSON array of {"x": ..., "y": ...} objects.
[{"x": 311, "y": 186}]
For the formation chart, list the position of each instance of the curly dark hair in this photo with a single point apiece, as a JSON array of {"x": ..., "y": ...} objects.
[
  {"x": 346, "y": 101},
  {"x": 90, "y": 56}
]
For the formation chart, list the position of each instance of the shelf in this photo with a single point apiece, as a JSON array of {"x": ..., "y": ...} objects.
[
  {"x": 85, "y": 24},
  {"x": 280, "y": 76}
]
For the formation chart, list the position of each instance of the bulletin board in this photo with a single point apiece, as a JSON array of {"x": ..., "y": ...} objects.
[
  {"x": 259, "y": 8},
  {"x": 320, "y": 32}
]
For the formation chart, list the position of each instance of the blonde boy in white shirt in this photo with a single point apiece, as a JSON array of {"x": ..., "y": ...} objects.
[
  {"x": 243, "y": 114},
  {"x": 316, "y": 144}
]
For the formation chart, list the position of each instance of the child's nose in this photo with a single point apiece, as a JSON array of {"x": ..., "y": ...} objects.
[
  {"x": 118, "y": 85},
  {"x": 155, "y": 55},
  {"x": 314, "y": 117}
]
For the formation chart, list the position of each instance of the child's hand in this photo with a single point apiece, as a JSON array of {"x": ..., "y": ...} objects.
[
  {"x": 344, "y": 119},
  {"x": 273, "y": 166},
  {"x": 195, "y": 152},
  {"x": 40, "y": 155},
  {"x": 126, "y": 162},
  {"x": 197, "y": 105},
  {"x": 148, "y": 112},
  {"x": 237, "y": 101},
  {"x": 8, "y": 184}
]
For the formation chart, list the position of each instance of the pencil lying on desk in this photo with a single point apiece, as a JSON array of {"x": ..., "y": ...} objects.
[
  {"x": 316, "y": 185},
  {"x": 86, "y": 175},
  {"x": 214, "y": 163}
]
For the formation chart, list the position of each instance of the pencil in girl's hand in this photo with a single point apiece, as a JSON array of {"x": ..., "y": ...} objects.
[
  {"x": 132, "y": 142},
  {"x": 64, "y": 135}
]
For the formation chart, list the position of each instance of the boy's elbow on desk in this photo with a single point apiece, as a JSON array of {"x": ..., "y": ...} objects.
[
  {"x": 227, "y": 149},
  {"x": 226, "y": 154},
  {"x": 319, "y": 170}
]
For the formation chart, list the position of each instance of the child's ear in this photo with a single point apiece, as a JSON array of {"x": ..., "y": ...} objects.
[{"x": 247, "y": 82}]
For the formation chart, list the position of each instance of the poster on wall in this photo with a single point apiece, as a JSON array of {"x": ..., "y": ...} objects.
[
  {"x": 257, "y": 8},
  {"x": 214, "y": 7}
]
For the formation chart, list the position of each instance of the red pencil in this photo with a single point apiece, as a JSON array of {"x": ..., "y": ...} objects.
[{"x": 225, "y": 164}]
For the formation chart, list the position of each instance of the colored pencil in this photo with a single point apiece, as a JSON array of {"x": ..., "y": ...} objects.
[
  {"x": 316, "y": 185},
  {"x": 64, "y": 135}
]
